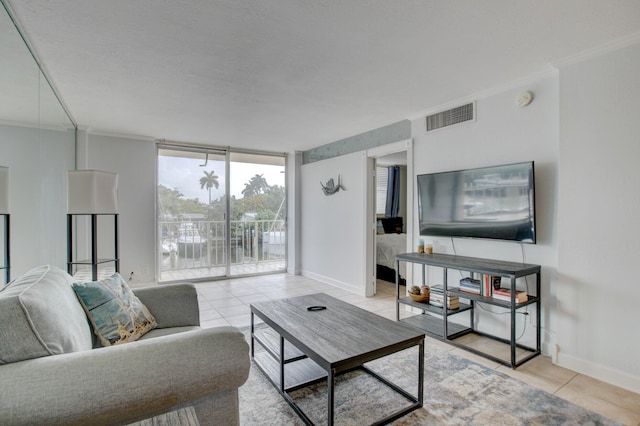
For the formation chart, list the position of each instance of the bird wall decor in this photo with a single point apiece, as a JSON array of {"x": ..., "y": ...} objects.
[{"x": 331, "y": 188}]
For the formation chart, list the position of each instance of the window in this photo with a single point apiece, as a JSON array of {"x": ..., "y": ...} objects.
[{"x": 381, "y": 190}]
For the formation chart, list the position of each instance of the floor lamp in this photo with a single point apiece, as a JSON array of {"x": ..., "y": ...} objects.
[
  {"x": 4, "y": 212},
  {"x": 91, "y": 193}
]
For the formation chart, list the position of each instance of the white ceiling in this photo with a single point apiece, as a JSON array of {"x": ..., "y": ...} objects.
[{"x": 285, "y": 75}]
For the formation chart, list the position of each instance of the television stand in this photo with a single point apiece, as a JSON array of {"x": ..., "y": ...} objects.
[{"x": 435, "y": 321}]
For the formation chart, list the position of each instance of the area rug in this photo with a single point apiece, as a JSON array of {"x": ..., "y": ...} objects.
[{"x": 456, "y": 392}]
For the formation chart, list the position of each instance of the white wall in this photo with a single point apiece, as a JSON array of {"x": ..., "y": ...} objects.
[
  {"x": 135, "y": 162},
  {"x": 38, "y": 160},
  {"x": 503, "y": 133},
  {"x": 598, "y": 292},
  {"x": 333, "y": 226}
]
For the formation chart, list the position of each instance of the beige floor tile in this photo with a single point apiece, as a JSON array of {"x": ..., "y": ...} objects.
[
  {"x": 241, "y": 290},
  {"x": 374, "y": 305},
  {"x": 540, "y": 373},
  {"x": 254, "y": 298},
  {"x": 388, "y": 313},
  {"x": 230, "y": 301},
  {"x": 220, "y": 322},
  {"x": 232, "y": 311},
  {"x": 275, "y": 294},
  {"x": 239, "y": 321},
  {"x": 584, "y": 398},
  {"x": 204, "y": 303},
  {"x": 209, "y": 314},
  {"x": 598, "y": 389}
]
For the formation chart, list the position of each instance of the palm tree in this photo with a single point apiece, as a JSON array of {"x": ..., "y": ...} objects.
[
  {"x": 209, "y": 180},
  {"x": 257, "y": 185}
]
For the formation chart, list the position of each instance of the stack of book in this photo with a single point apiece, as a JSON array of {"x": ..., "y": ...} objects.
[
  {"x": 470, "y": 285},
  {"x": 437, "y": 298},
  {"x": 505, "y": 294}
]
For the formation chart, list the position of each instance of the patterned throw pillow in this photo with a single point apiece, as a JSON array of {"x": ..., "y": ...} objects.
[{"x": 116, "y": 314}]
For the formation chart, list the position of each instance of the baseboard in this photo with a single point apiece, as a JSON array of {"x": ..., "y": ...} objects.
[
  {"x": 332, "y": 282},
  {"x": 598, "y": 371}
]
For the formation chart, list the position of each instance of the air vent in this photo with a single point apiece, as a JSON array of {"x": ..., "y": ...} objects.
[{"x": 450, "y": 117}]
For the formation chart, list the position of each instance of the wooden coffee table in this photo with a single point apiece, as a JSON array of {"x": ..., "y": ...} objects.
[{"x": 304, "y": 346}]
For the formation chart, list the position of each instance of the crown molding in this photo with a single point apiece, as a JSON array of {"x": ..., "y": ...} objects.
[
  {"x": 599, "y": 50},
  {"x": 99, "y": 132}
]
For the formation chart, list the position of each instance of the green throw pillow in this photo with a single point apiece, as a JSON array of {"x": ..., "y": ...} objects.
[{"x": 116, "y": 314}]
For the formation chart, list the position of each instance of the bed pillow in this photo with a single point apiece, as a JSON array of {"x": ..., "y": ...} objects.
[
  {"x": 379, "y": 227},
  {"x": 117, "y": 315}
]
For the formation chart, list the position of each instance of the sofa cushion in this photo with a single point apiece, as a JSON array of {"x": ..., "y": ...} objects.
[
  {"x": 40, "y": 316},
  {"x": 116, "y": 314}
]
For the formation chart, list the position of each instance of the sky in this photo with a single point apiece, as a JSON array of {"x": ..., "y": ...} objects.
[{"x": 184, "y": 175}]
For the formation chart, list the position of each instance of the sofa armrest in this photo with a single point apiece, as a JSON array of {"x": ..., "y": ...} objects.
[
  {"x": 172, "y": 305},
  {"x": 124, "y": 383}
]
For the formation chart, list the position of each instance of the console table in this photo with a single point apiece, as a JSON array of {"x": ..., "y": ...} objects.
[{"x": 435, "y": 321}]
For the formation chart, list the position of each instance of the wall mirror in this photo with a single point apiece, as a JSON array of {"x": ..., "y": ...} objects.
[{"x": 37, "y": 144}]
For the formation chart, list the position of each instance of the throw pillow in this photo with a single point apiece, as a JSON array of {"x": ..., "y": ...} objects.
[{"x": 116, "y": 314}]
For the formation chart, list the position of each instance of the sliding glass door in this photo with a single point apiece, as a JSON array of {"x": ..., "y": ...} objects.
[{"x": 220, "y": 213}]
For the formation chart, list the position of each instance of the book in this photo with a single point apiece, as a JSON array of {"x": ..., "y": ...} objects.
[
  {"x": 486, "y": 285},
  {"x": 470, "y": 285},
  {"x": 469, "y": 290},
  {"x": 439, "y": 297},
  {"x": 505, "y": 294},
  {"x": 450, "y": 305},
  {"x": 438, "y": 289}
]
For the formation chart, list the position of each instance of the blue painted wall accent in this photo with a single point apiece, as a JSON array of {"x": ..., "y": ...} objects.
[{"x": 371, "y": 139}]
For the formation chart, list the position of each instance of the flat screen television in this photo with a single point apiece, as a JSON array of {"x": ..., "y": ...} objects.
[{"x": 495, "y": 202}]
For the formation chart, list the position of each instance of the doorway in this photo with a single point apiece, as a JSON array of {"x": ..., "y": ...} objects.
[
  {"x": 220, "y": 213},
  {"x": 381, "y": 247}
]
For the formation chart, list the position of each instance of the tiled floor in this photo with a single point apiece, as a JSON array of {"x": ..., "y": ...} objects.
[
  {"x": 227, "y": 303},
  {"x": 195, "y": 273}
]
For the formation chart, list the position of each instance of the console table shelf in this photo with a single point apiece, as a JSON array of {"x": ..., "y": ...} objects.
[{"x": 435, "y": 320}]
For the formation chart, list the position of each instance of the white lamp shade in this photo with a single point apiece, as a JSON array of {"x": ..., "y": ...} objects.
[
  {"x": 4, "y": 190},
  {"x": 92, "y": 192}
]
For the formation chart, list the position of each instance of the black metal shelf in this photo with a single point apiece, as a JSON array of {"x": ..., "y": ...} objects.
[
  {"x": 434, "y": 309},
  {"x": 441, "y": 327},
  {"x": 433, "y": 326},
  {"x": 491, "y": 300}
]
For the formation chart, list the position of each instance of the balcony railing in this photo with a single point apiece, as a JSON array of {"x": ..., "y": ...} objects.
[{"x": 202, "y": 244}]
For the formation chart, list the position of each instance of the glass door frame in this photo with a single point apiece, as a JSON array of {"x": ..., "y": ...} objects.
[{"x": 228, "y": 153}]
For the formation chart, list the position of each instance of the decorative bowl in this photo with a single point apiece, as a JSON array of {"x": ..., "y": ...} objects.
[{"x": 422, "y": 298}]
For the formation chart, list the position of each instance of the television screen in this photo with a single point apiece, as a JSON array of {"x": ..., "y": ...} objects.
[{"x": 491, "y": 202}]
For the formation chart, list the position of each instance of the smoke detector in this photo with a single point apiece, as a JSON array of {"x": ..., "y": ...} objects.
[{"x": 524, "y": 99}]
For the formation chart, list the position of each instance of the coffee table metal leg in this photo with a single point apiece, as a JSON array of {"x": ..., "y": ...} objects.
[
  {"x": 282, "y": 364},
  {"x": 421, "y": 373},
  {"x": 252, "y": 343},
  {"x": 330, "y": 394}
]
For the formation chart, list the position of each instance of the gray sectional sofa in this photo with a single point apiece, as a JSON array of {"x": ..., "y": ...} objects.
[{"x": 52, "y": 370}]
